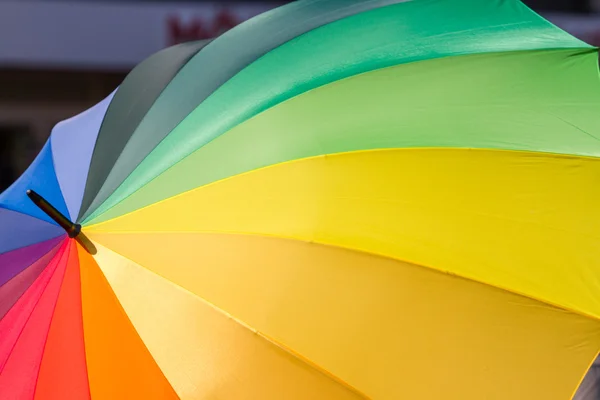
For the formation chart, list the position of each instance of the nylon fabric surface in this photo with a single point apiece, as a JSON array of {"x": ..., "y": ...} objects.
[
  {"x": 15, "y": 261},
  {"x": 131, "y": 103},
  {"x": 437, "y": 103},
  {"x": 63, "y": 370},
  {"x": 25, "y": 356},
  {"x": 19, "y": 230},
  {"x": 41, "y": 177},
  {"x": 118, "y": 363},
  {"x": 206, "y": 363},
  {"x": 380, "y": 38},
  {"x": 369, "y": 320},
  {"x": 219, "y": 61},
  {"x": 72, "y": 143},
  {"x": 403, "y": 203},
  {"x": 15, "y": 320},
  {"x": 337, "y": 199},
  {"x": 12, "y": 290}
]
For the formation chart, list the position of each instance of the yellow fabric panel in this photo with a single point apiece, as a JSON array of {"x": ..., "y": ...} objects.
[
  {"x": 206, "y": 354},
  {"x": 390, "y": 329},
  {"x": 526, "y": 222}
]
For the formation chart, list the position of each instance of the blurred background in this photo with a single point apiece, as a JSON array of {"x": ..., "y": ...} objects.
[{"x": 57, "y": 58}]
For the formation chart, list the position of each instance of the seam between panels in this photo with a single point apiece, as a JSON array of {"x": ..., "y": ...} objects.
[
  {"x": 124, "y": 314},
  {"x": 54, "y": 250},
  {"x": 62, "y": 195},
  {"x": 395, "y": 2},
  {"x": 345, "y": 153},
  {"x": 271, "y": 341},
  {"x": 59, "y": 243},
  {"x": 94, "y": 149},
  {"x": 60, "y": 189},
  {"x": 29, "y": 316},
  {"x": 578, "y": 51},
  {"x": 3, "y": 207},
  {"x": 58, "y": 235},
  {"x": 373, "y": 254},
  {"x": 84, "y": 212},
  {"x": 85, "y": 357},
  {"x": 596, "y": 138},
  {"x": 62, "y": 281}
]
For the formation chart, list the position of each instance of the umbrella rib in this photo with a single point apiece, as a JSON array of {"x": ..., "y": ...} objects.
[
  {"x": 37, "y": 377},
  {"x": 380, "y": 255},
  {"x": 271, "y": 341},
  {"x": 537, "y": 153},
  {"x": 421, "y": 265}
]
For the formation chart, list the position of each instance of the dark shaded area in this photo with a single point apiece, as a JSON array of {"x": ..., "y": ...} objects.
[
  {"x": 13, "y": 137},
  {"x": 590, "y": 387},
  {"x": 8, "y": 172},
  {"x": 57, "y": 85},
  {"x": 570, "y": 6},
  {"x": 33, "y": 100}
]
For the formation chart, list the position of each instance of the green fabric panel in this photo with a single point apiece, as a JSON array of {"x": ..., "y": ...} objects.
[
  {"x": 401, "y": 33},
  {"x": 543, "y": 101},
  {"x": 131, "y": 102},
  {"x": 215, "y": 65}
]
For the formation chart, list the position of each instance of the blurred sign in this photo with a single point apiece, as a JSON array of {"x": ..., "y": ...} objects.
[
  {"x": 118, "y": 35},
  {"x": 198, "y": 28},
  {"x": 108, "y": 35},
  {"x": 583, "y": 27}
]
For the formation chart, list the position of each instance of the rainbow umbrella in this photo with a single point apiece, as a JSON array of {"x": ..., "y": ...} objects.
[{"x": 334, "y": 200}]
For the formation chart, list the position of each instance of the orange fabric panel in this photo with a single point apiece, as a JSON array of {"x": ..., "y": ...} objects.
[
  {"x": 206, "y": 354},
  {"x": 119, "y": 364},
  {"x": 390, "y": 329}
]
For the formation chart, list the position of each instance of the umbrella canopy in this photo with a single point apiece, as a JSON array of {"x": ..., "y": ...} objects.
[{"x": 334, "y": 200}]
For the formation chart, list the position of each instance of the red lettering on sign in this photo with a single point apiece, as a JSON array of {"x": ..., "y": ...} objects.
[
  {"x": 223, "y": 22},
  {"x": 593, "y": 39},
  {"x": 199, "y": 29},
  {"x": 178, "y": 33}
]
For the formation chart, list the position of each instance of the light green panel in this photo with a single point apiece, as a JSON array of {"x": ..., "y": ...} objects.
[
  {"x": 543, "y": 101},
  {"x": 396, "y": 34}
]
